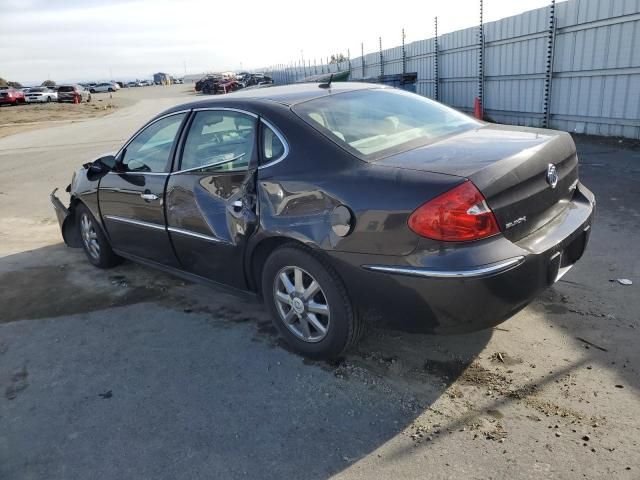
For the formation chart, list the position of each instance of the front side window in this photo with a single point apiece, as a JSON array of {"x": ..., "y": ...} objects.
[
  {"x": 272, "y": 146},
  {"x": 219, "y": 140},
  {"x": 149, "y": 151},
  {"x": 379, "y": 122}
]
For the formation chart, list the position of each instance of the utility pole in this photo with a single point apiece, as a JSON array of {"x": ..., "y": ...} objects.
[
  {"x": 404, "y": 57},
  {"x": 381, "y": 59},
  {"x": 436, "y": 75},
  {"x": 480, "y": 110},
  {"x": 549, "y": 70}
]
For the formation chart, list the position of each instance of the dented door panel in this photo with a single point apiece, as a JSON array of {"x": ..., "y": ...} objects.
[{"x": 209, "y": 217}]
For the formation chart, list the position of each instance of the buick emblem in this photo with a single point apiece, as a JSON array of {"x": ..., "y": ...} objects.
[{"x": 552, "y": 175}]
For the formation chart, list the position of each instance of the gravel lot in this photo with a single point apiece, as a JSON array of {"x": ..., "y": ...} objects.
[
  {"x": 32, "y": 116},
  {"x": 130, "y": 373}
]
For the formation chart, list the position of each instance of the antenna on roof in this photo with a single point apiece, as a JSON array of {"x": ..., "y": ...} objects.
[{"x": 328, "y": 84}]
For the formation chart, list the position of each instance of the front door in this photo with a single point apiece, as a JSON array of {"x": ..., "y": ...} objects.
[
  {"x": 132, "y": 197},
  {"x": 210, "y": 199}
]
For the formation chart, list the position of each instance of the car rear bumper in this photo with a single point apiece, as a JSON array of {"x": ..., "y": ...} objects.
[
  {"x": 68, "y": 97},
  {"x": 462, "y": 288}
]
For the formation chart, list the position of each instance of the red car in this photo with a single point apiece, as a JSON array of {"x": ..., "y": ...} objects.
[
  {"x": 227, "y": 85},
  {"x": 11, "y": 96}
]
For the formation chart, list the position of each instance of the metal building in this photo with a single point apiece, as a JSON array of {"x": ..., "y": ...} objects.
[{"x": 572, "y": 66}]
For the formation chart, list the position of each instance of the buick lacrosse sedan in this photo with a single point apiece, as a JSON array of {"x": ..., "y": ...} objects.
[{"x": 337, "y": 204}]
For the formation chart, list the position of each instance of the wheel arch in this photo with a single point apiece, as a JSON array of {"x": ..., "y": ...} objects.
[
  {"x": 259, "y": 253},
  {"x": 70, "y": 232}
]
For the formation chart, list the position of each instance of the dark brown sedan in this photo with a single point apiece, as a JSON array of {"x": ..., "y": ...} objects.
[{"x": 339, "y": 203}]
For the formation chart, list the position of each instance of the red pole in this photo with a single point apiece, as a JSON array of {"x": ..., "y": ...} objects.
[{"x": 477, "y": 108}]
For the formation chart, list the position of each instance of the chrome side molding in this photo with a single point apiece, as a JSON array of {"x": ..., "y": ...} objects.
[
  {"x": 189, "y": 233},
  {"x": 131, "y": 221}
]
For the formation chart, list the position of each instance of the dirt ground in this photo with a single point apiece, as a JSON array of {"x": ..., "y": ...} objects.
[
  {"x": 132, "y": 373},
  {"x": 33, "y": 116}
]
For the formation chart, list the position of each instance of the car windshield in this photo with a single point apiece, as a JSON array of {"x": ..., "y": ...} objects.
[
  {"x": 37, "y": 89},
  {"x": 66, "y": 89},
  {"x": 380, "y": 122}
]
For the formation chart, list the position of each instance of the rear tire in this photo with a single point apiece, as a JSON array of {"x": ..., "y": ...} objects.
[
  {"x": 308, "y": 303},
  {"x": 94, "y": 242}
]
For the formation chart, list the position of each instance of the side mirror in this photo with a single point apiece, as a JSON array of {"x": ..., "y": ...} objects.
[
  {"x": 108, "y": 161},
  {"x": 102, "y": 165}
]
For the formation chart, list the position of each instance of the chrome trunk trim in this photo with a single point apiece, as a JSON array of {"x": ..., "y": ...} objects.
[{"x": 469, "y": 273}]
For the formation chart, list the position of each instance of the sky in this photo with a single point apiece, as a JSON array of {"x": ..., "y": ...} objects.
[{"x": 83, "y": 40}]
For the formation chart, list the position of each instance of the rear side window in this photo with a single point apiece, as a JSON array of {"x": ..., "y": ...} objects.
[
  {"x": 219, "y": 140},
  {"x": 272, "y": 146},
  {"x": 380, "y": 122}
]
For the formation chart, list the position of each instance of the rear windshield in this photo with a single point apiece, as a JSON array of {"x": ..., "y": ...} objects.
[
  {"x": 66, "y": 89},
  {"x": 379, "y": 122}
]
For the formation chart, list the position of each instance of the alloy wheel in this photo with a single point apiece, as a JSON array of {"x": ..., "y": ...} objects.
[
  {"x": 302, "y": 305},
  {"x": 89, "y": 236}
]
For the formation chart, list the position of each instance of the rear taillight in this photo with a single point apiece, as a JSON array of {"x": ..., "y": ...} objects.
[{"x": 459, "y": 215}]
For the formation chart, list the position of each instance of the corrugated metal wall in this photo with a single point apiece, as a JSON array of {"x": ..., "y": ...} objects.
[{"x": 595, "y": 80}]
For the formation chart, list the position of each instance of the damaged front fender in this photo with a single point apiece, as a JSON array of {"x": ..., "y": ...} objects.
[{"x": 66, "y": 220}]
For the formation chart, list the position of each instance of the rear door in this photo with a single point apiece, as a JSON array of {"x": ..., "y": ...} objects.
[
  {"x": 210, "y": 198},
  {"x": 131, "y": 198}
]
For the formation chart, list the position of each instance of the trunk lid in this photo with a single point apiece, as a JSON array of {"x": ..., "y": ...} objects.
[{"x": 510, "y": 166}]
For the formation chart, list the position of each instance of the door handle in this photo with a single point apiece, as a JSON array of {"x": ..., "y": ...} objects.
[
  {"x": 237, "y": 205},
  {"x": 148, "y": 196}
]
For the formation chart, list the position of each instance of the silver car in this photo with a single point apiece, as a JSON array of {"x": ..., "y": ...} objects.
[
  {"x": 104, "y": 87},
  {"x": 40, "y": 95}
]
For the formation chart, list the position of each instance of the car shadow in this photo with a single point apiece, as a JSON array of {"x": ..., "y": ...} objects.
[{"x": 133, "y": 373}]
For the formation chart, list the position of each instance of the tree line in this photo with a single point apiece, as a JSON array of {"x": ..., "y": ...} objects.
[{"x": 10, "y": 84}]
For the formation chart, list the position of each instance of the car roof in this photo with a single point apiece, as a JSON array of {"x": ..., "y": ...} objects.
[{"x": 287, "y": 94}]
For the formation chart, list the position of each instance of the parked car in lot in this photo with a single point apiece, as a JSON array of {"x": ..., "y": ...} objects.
[
  {"x": 41, "y": 95},
  {"x": 73, "y": 93},
  {"x": 338, "y": 204},
  {"x": 209, "y": 83},
  {"x": 103, "y": 87},
  {"x": 11, "y": 96},
  {"x": 254, "y": 79}
]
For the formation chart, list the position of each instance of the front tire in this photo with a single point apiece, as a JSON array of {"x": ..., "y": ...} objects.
[
  {"x": 94, "y": 242},
  {"x": 309, "y": 304}
]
